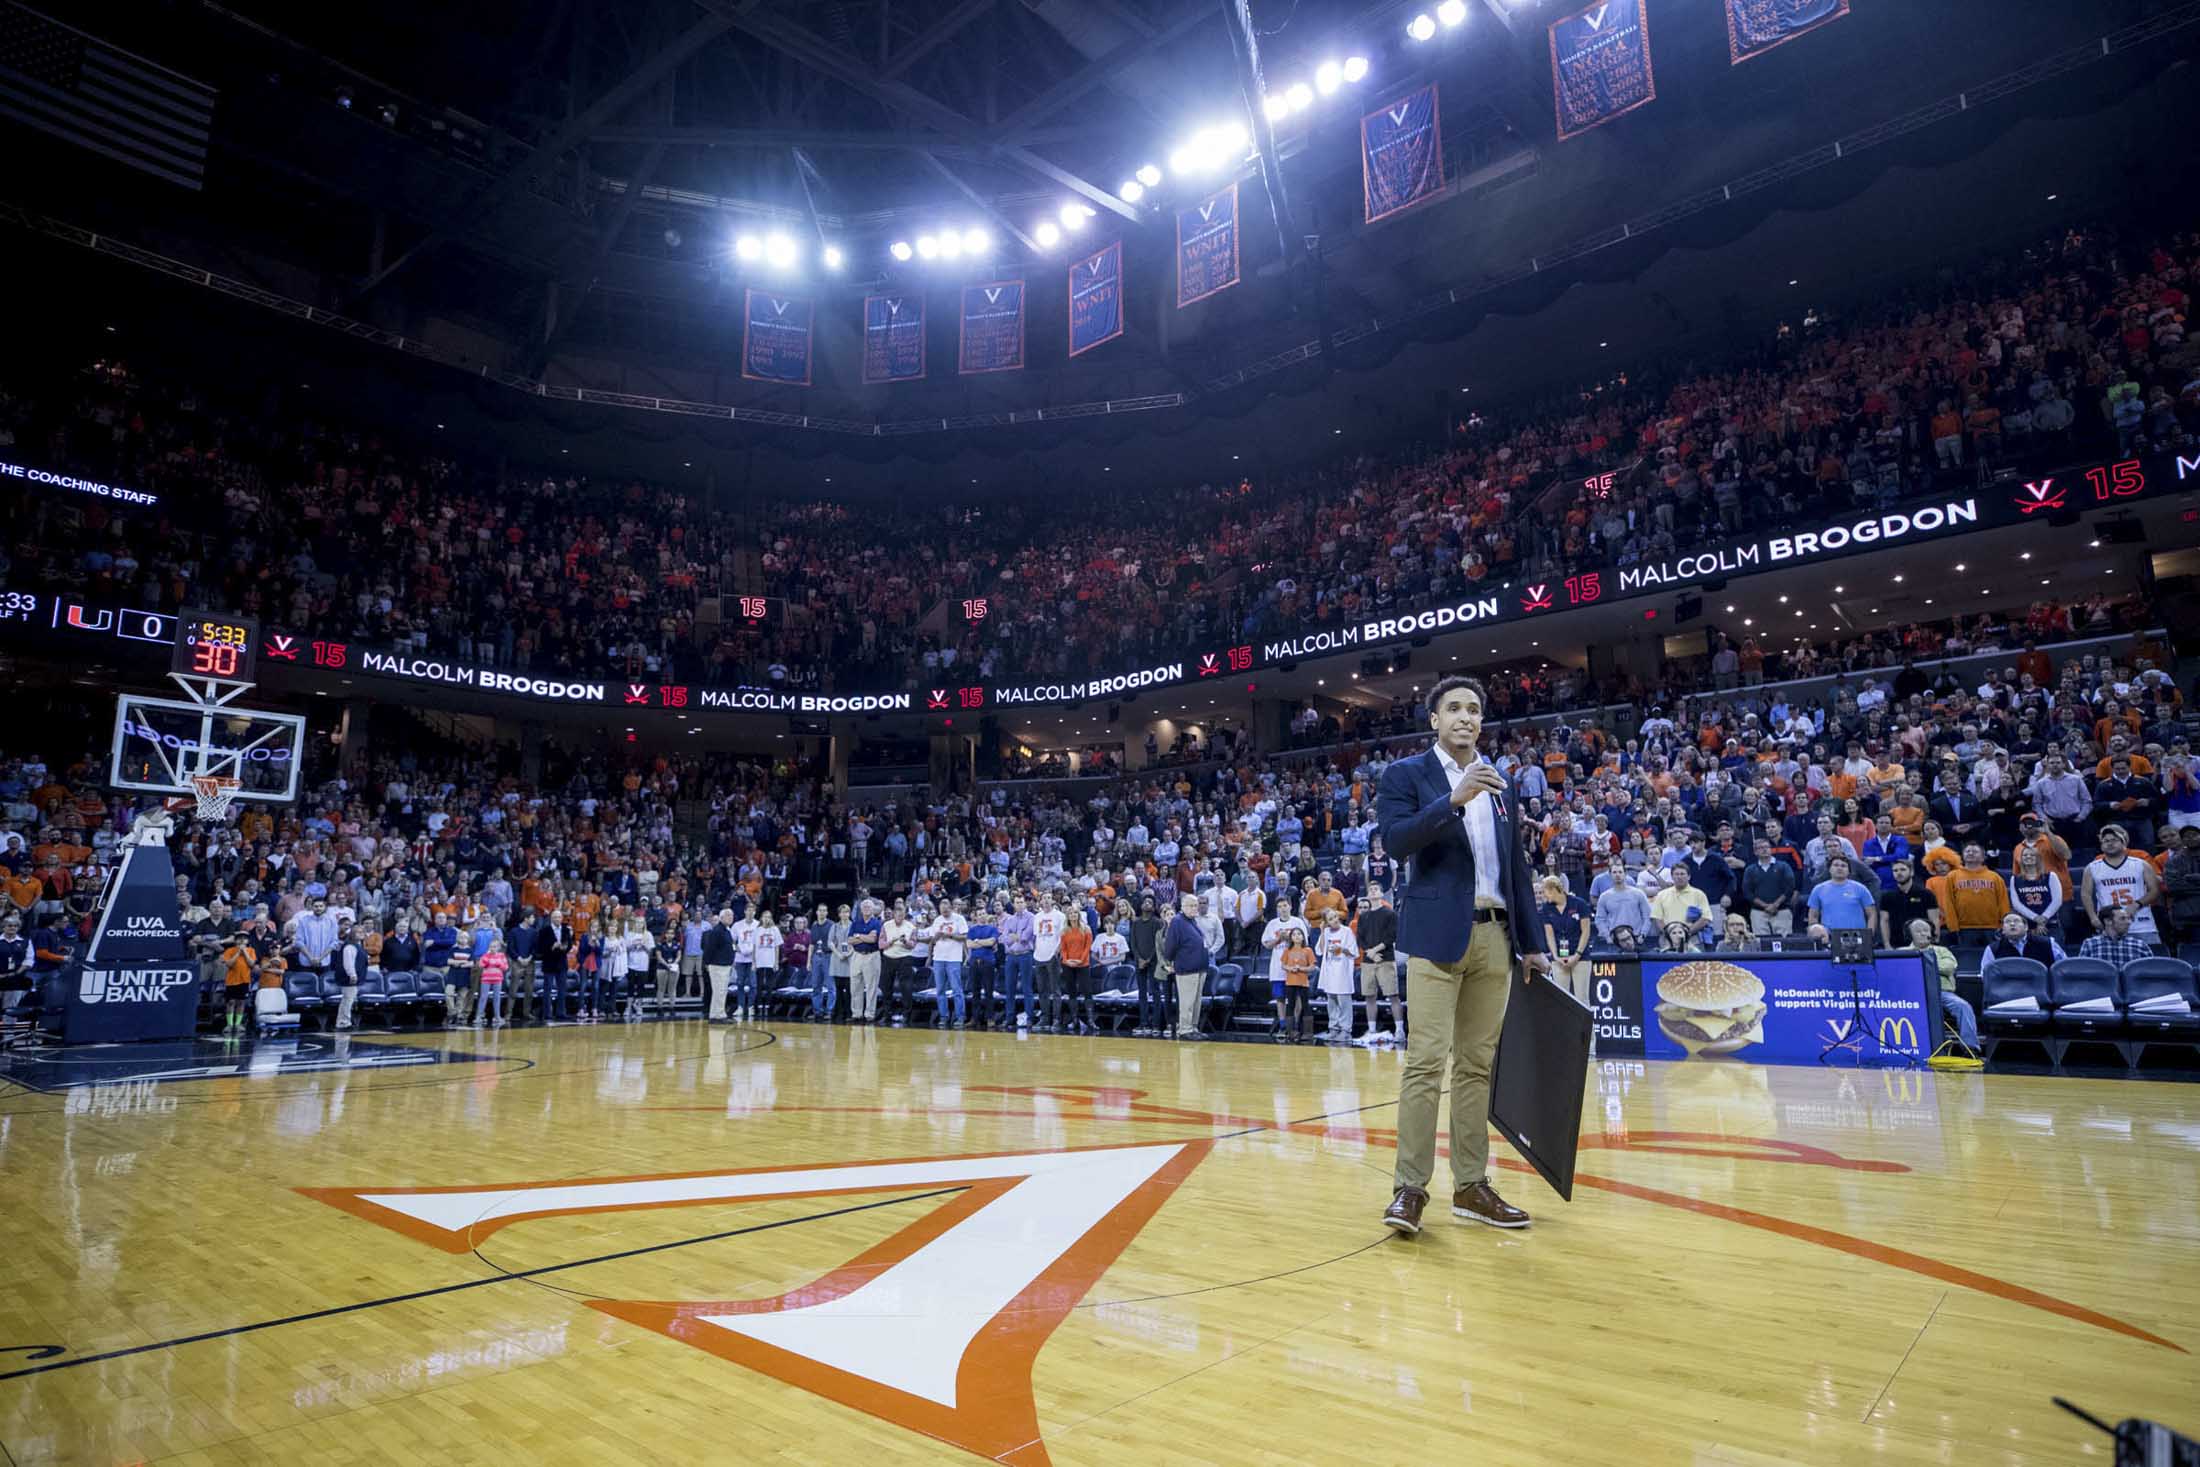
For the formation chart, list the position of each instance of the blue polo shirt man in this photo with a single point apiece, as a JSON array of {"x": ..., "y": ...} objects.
[{"x": 1840, "y": 902}]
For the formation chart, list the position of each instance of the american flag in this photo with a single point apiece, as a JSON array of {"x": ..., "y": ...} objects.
[{"x": 80, "y": 89}]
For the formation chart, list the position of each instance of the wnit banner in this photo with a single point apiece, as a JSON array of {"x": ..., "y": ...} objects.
[
  {"x": 1754, "y": 27},
  {"x": 1207, "y": 247},
  {"x": 775, "y": 346},
  {"x": 893, "y": 338},
  {"x": 1096, "y": 298},
  {"x": 992, "y": 327},
  {"x": 1600, "y": 65},
  {"x": 1401, "y": 154}
]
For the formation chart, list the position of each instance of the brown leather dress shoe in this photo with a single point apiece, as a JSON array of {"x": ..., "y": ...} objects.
[
  {"x": 1404, "y": 1212},
  {"x": 1480, "y": 1203}
]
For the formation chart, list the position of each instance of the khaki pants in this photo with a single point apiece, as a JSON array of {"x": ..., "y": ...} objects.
[
  {"x": 1458, "y": 1009},
  {"x": 1188, "y": 989},
  {"x": 720, "y": 975},
  {"x": 1572, "y": 974},
  {"x": 863, "y": 969}
]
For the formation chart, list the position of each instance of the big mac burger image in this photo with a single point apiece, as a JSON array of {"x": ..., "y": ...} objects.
[{"x": 1711, "y": 1008}]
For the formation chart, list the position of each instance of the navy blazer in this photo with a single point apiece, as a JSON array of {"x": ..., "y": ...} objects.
[{"x": 1436, "y": 902}]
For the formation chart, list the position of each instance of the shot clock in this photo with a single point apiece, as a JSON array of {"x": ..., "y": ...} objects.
[{"x": 223, "y": 647}]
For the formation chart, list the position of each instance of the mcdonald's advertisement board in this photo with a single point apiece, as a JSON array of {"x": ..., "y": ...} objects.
[{"x": 1783, "y": 1008}]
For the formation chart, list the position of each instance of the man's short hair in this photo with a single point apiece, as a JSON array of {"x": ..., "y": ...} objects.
[{"x": 1451, "y": 684}]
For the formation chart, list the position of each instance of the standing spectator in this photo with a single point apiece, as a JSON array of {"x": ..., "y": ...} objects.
[
  {"x": 1376, "y": 929},
  {"x": 824, "y": 951},
  {"x": 950, "y": 941},
  {"x": 493, "y": 968},
  {"x": 1185, "y": 947},
  {"x": 2181, "y": 885},
  {"x": 437, "y": 944},
  {"x": 1145, "y": 948},
  {"x": 1074, "y": 954},
  {"x": 1684, "y": 903},
  {"x": 1622, "y": 905},
  {"x": 240, "y": 959},
  {"x": 1565, "y": 920},
  {"x": 865, "y": 962},
  {"x": 764, "y": 974},
  {"x": 1340, "y": 954},
  {"x": 2128, "y": 800},
  {"x": 314, "y": 934},
  {"x": 519, "y": 951},
  {"x": 2116, "y": 878},
  {"x": 1047, "y": 926},
  {"x": 1768, "y": 892},
  {"x": 1296, "y": 960},
  {"x": 1907, "y": 900},
  {"x": 718, "y": 957},
  {"x": 1019, "y": 938},
  {"x": 554, "y": 944},
  {"x": 349, "y": 966},
  {"x": 1840, "y": 902},
  {"x": 1973, "y": 899},
  {"x": 2036, "y": 893}
]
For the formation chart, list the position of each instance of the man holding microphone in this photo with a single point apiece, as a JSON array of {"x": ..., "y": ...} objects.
[{"x": 1466, "y": 909}]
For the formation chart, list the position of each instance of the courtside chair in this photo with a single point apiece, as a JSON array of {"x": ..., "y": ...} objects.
[
  {"x": 2156, "y": 979},
  {"x": 2087, "y": 981},
  {"x": 2011, "y": 981}
]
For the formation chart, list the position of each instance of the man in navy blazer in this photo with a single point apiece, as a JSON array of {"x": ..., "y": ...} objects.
[{"x": 1466, "y": 907}]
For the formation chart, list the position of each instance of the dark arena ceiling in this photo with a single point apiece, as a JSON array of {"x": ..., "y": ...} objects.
[{"x": 552, "y": 190}]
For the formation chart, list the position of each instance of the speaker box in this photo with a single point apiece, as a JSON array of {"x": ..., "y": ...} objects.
[
  {"x": 1687, "y": 609},
  {"x": 2121, "y": 532}
]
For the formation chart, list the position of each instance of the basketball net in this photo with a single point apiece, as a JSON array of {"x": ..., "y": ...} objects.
[{"x": 213, "y": 794}]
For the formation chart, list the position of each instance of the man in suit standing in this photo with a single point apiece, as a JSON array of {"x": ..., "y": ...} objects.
[{"x": 1467, "y": 906}]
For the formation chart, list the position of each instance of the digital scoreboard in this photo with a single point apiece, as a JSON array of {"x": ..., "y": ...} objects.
[{"x": 213, "y": 646}]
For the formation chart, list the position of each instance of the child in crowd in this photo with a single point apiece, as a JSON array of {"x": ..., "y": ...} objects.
[
  {"x": 490, "y": 974},
  {"x": 1297, "y": 957}
]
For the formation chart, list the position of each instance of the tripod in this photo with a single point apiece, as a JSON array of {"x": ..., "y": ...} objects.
[
  {"x": 1859, "y": 1032},
  {"x": 1852, "y": 952}
]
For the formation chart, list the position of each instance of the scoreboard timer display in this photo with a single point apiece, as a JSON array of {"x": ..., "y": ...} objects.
[{"x": 216, "y": 646}]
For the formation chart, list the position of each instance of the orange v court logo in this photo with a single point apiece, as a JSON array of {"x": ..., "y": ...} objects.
[{"x": 936, "y": 1329}]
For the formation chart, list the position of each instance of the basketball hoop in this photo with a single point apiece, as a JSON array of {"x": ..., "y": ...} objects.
[{"x": 214, "y": 794}]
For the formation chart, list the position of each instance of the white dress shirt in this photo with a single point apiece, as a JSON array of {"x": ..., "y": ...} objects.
[{"x": 1480, "y": 818}]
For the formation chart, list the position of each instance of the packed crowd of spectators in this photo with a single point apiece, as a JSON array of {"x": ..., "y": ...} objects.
[
  {"x": 1982, "y": 805},
  {"x": 2076, "y": 346}
]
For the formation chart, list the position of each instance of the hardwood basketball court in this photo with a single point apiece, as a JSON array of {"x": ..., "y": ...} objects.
[{"x": 666, "y": 1242}]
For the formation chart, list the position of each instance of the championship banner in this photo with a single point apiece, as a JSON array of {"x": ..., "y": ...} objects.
[
  {"x": 1401, "y": 154},
  {"x": 992, "y": 337},
  {"x": 1600, "y": 65},
  {"x": 1096, "y": 298},
  {"x": 1754, "y": 27},
  {"x": 1207, "y": 247},
  {"x": 893, "y": 338},
  {"x": 775, "y": 341}
]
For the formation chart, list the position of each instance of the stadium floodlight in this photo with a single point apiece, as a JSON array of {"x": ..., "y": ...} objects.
[
  {"x": 1047, "y": 234},
  {"x": 1452, "y": 12},
  {"x": 1073, "y": 217},
  {"x": 1275, "y": 107},
  {"x": 1233, "y": 139},
  {"x": 1355, "y": 67},
  {"x": 1421, "y": 27},
  {"x": 1180, "y": 159},
  {"x": 1328, "y": 77},
  {"x": 833, "y": 258},
  {"x": 927, "y": 246},
  {"x": 1149, "y": 175},
  {"x": 747, "y": 247},
  {"x": 1300, "y": 96},
  {"x": 976, "y": 241},
  {"x": 900, "y": 249},
  {"x": 951, "y": 245},
  {"x": 1131, "y": 191},
  {"x": 779, "y": 250}
]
